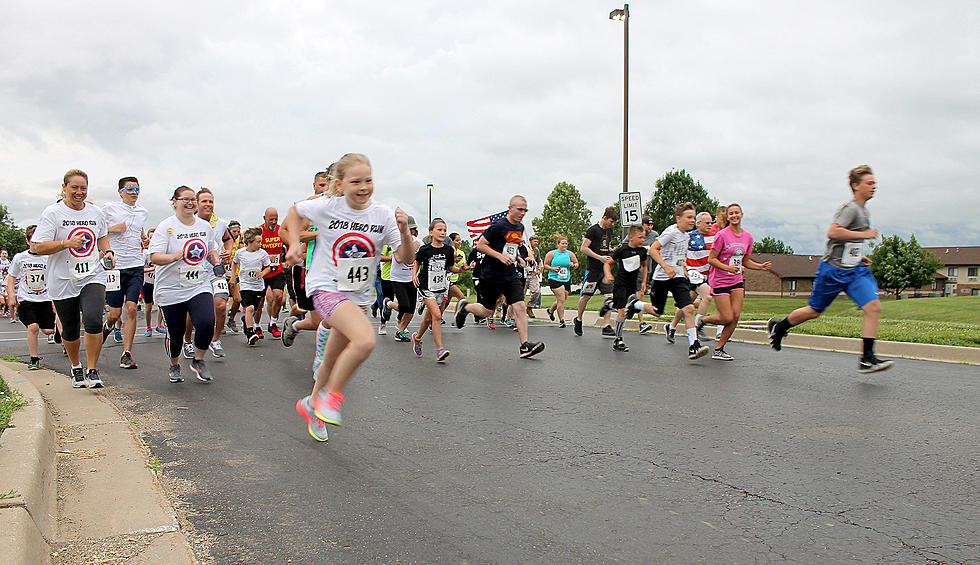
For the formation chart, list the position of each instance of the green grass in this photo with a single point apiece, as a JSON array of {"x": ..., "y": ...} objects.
[
  {"x": 10, "y": 402},
  {"x": 943, "y": 321}
]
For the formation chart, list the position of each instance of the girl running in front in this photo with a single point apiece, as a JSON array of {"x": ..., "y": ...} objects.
[
  {"x": 352, "y": 231},
  {"x": 559, "y": 263},
  {"x": 433, "y": 262},
  {"x": 729, "y": 253}
]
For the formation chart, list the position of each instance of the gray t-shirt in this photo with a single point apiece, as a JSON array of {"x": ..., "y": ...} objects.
[{"x": 847, "y": 254}]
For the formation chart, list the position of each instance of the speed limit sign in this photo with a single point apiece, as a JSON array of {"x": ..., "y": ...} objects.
[{"x": 630, "y": 208}]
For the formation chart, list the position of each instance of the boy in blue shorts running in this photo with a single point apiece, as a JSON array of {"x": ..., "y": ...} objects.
[{"x": 845, "y": 267}]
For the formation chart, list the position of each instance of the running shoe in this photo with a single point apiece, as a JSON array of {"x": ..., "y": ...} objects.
[
  {"x": 258, "y": 332},
  {"x": 578, "y": 326},
  {"x": 175, "y": 374},
  {"x": 382, "y": 330},
  {"x": 274, "y": 330},
  {"x": 201, "y": 371},
  {"x": 250, "y": 336},
  {"x": 609, "y": 332},
  {"x": 78, "y": 378},
  {"x": 216, "y": 349},
  {"x": 531, "y": 348},
  {"x": 51, "y": 338},
  {"x": 645, "y": 328},
  {"x": 669, "y": 332},
  {"x": 327, "y": 407},
  {"x": 160, "y": 329},
  {"x": 511, "y": 323},
  {"x": 698, "y": 322},
  {"x": 873, "y": 364},
  {"x": 117, "y": 335},
  {"x": 630, "y": 311},
  {"x": 401, "y": 336},
  {"x": 289, "y": 333},
  {"x": 775, "y": 335},
  {"x": 34, "y": 364},
  {"x": 561, "y": 324},
  {"x": 106, "y": 330},
  {"x": 93, "y": 380},
  {"x": 421, "y": 308},
  {"x": 551, "y": 314},
  {"x": 441, "y": 355},
  {"x": 722, "y": 355},
  {"x": 374, "y": 310},
  {"x": 416, "y": 344},
  {"x": 704, "y": 337},
  {"x": 461, "y": 314},
  {"x": 126, "y": 361},
  {"x": 386, "y": 309},
  {"x": 490, "y": 324},
  {"x": 697, "y": 350},
  {"x": 149, "y": 332},
  {"x": 607, "y": 305},
  {"x": 314, "y": 425},
  {"x": 231, "y": 324},
  {"x": 620, "y": 345},
  {"x": 188, "y": 350}
]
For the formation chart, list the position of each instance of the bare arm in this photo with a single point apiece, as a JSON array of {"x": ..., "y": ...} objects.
[{"x": 838, "y": 233}]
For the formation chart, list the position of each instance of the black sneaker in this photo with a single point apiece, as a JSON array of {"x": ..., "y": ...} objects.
[
  {"x": 775, "y": 336},
  {"x": 608, "y": 332},
  {"x": 620, "y": 345},
  {"x": 250, "y": 337},
  {"x": 697, "y": 350},
  {"x": 175, "y": 374},
  {"x": 607, "y": 305},
  {"x": 461, "y": 314},
  {"x": 93, "y": 379},
  {"x": 630, "y": 312},
  {"x": 78, "y": 378},
  {"x": 561, "y": 324},
  {"x": 531, "y": 348},
  {"x": 34, "y": 364},
  {"x": 126, "y": 361},
  {"x": 669, "y": 332},
  {"x": 873, "y": 364},
  {"x": 578, "y": 326},
  {"x": 551, "y": 314},
  {"x": 201, "y": 371}
]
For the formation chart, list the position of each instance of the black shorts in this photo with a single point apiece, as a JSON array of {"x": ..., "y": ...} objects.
[
  {"x": 276, "y": 281},
  {"x": 294, "y": 272},
  {"x": 387, "y": 290},
  {"x": 593, "y": 283},
  {"x": 621, "y": 295},
  {"x": 299, "y": 287},
  {"x": 680, "y": 287},
  {"x": 491, "y": 290},
  {"x": 727, "y": 289},
  {"x": 406, "y": 295},
  {"x": 40, "y": 313},
  {"x": 130, "y": 285},
  {"x": 553, "y": 284},
  {"x": 252, "y": 298},
  {"x": 148, "y": 293}
]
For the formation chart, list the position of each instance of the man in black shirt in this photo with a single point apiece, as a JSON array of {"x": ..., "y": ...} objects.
[
  {"x": 597, "y": 245},
  {"x": 500, "y": 244}
]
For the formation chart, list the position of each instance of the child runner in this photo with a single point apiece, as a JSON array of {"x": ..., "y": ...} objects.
[
  {"x": 631, "y": 259},
  {"x": 454, "y": 290},
  {"x": 149, "y": 279},
  {"x": 25, "y": 285},
  {"x": 249, "y": 267},
  {"x": 352, "y": 230},
  {"x": 730, "y": 252},
  {"x": 433, "y": 262},
  {"x": 845, "y": 267},
  {"x": 558, "y": 263}
]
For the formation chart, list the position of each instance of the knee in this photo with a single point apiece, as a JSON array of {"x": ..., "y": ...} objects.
[
  {"x": 873, "y": 307},
  {"x": 363, "y": 345},
  {"x": 130, "y": 310}
]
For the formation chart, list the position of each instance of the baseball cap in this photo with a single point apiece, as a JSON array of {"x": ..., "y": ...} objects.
[
  {"x": 411, "y": 223},
  {"x": 647, "y": 220}
]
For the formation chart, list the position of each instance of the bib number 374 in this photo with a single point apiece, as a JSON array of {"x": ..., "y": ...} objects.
[{"x": 355, "y": 274}]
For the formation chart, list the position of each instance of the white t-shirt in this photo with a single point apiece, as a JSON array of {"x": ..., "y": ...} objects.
[
  {"x": 673, "y": 250},
  {"x": 149, "y": 270},
  {"x": 403, "y": 273},
  {"x": 4, "y": 268},
  {"x": 128, "y": 245},
  {"x": 251, "y": 264},
  {"x": 71, "y": 269},
  {"x": 29, "y": 271},
  {"x": 180, "y": 281},
  {"x": 348, "y": 246}
]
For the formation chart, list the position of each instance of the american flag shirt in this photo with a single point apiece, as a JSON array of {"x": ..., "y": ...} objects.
[{"x": 698, "y": 249}]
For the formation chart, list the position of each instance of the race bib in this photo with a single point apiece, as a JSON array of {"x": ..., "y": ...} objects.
[
  {"x": 274, "y": 261},
  {"x": 680, "y": 262},
  {"x": 355, "y": 274},
  {"x": 563, "y": 273},
  {"x": 852, "y": 254},
  {"x": 251, "y": 275},
  {"x": 437, "y": 277},
  {"x": 736, "y": 261},
  {"x": 112, "y": 280},
  {"x": 589, "y": 287},
  {"x": 696, "y": 277},
  {"x": 631, "y": 264},
  {"x": 510, "y": 250},
  {"x": 81, "y": 268},
  {"x": 191, "y": 276},
  {"x": 219, "y": 286},
  {"x": 34, "y": 280},
  {"x": 150, "y": 277}
]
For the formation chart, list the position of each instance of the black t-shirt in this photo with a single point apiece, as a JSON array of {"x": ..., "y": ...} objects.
[
  {"x": 629, "y": 262},
  {"x": 476, "y": 258},
  {"x": 600, "y": 241},
  {"x": 434, "y": 263},
  {"x": 503, "y": 237}
]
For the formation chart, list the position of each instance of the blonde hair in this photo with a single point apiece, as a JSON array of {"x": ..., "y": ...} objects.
[
  {"x": 74, "y": 173},
  {"x": 722, "y": 217},
  {"x": 857, "y": 173},
  {"x": 558, "y": 237},
  {"x": 348, "y": 161}
]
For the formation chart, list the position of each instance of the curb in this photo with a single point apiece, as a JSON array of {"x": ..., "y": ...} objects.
[{"x": 27, "y": 467}]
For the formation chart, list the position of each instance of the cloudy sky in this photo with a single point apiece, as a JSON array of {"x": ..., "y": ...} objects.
[{"x": 768, "y": 104}]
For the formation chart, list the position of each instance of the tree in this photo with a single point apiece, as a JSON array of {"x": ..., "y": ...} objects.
[
  {"x": 899, "y": 265},
  {"x": 771, "y": 245},
  {"x": 12, "y": 238},
  {"x": 676, "y": 187},
  {"x": 567, "y": 214}
]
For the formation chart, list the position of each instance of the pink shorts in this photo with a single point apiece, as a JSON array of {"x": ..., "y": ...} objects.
[{"x": 326, "y": 302}]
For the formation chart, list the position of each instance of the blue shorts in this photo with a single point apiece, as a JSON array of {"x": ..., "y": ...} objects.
[
  {"x": 130, "y": 286},
  {"x": 858, "y": 283}
]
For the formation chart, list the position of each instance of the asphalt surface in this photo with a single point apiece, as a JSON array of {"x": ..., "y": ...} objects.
[{"x": 580, "y": 455}]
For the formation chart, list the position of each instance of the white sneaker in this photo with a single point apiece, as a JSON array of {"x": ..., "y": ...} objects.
[
  {"x": 382, "y": 330},
  {"x": 188, "y": 350},
  {"x": 216, "y": 349}
]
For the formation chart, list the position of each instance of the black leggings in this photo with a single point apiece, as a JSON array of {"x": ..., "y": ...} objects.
[
  {"x": 82, "y": 310},
  {"x": 201, "y": 310}
]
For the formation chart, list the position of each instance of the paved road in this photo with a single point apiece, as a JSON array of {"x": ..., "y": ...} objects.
[{"x": 582, "y": 455}]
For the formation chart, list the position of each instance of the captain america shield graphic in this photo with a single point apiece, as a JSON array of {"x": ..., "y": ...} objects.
[
  {"x": 352, "y": 245},
  {"x": 89, "y": 244},
  {"x": 194, "y": 251}
]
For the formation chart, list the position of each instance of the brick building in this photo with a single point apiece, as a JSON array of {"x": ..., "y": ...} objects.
[
  {"x": 961, "y": 274},
  {"x": 791, "y": 276}
]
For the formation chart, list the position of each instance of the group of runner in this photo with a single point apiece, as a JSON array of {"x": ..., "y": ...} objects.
[{"x": 340, "y": 252}]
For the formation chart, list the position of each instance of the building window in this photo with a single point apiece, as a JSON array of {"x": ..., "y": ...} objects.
[
  {"x": 792, "y": 285},
  {"x": 952, "y": 271},
  {"x": 935, "y": 285},
  {"x": 971, "y": 271}
]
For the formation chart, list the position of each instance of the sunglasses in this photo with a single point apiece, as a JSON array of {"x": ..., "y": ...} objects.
[{"x": 131, "y": 189}]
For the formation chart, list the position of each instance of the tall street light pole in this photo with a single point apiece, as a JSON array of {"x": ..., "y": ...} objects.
[
  {"x": 429, "y": 186},
  {"x": 624, "y": 16}
]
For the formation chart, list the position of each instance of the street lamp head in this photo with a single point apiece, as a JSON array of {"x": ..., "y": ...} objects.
[
  {"x": 429, "y": 186},
  {"x": 617, "y": 15}
]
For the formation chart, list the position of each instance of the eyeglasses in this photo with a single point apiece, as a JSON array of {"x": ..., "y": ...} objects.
[
  {"x": 131, "y": 189},
  {"x": 186, "y": 199}
]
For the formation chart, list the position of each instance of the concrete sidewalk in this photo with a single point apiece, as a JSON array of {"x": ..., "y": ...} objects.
[{"x": 79, "y": 483}]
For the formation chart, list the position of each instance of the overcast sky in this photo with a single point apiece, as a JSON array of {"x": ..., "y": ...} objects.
[{"x": 766, "y": 104}]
